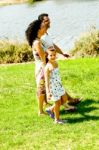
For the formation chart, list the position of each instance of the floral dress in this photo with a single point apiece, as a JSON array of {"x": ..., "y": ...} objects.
[{"x": 56, "y": 88}]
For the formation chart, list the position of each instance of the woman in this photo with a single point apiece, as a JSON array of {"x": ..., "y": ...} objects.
[
  {"x": 48, "y": 42},
  {"x": 33, "y": 34}
]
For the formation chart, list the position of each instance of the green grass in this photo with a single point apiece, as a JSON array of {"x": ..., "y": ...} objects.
[{"x": 20, "y": 126}]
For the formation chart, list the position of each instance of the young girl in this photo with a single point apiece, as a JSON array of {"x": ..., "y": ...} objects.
[{"x": 54, "y": 88}]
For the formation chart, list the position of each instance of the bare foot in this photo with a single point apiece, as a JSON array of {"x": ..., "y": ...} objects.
[{"x": 42, "y": 114}]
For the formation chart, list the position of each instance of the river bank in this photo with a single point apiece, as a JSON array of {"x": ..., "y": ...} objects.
[
  {"x": 18, "y": 52},
  {"x": 10, "y": 2}
]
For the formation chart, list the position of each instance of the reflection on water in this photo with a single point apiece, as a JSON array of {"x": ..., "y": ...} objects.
[{"x": 69, "y": 18}]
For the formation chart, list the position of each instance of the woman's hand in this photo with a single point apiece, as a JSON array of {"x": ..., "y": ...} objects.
[
  {"x": 66, "y": 55},
  {"x": 49, "y": 95}
]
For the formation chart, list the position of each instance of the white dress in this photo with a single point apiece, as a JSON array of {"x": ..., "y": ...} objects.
[{"x": 56, "y": 88}]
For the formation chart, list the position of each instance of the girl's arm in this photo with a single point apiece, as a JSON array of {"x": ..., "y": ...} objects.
[{"x": 40, "y": 51}]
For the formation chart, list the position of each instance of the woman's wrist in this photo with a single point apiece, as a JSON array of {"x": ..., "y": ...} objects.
[
  {"x": 66, "y": 55},
  {"x": 48, "y": 91}
]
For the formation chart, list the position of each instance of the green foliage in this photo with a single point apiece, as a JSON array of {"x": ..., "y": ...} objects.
[
  {"x": 14, "y": 52},
  {"x": 31, "y": 1},
  {"x": 87, "y": 45}
]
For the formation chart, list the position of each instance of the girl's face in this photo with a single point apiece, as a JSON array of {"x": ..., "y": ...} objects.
[{"x": 51, "y": 55}]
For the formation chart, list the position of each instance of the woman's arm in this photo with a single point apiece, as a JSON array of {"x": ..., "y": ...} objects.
[
  {"x": 40, "y": 51},
  {"x": 47, "y": 72},
  {"x": 60, "y": 51}
]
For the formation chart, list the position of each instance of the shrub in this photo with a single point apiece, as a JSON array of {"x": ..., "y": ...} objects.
[
  {"x": 87, "y": 45},
  {"x": 14, "y": 52},
  {"x": 31, "y": 1}
]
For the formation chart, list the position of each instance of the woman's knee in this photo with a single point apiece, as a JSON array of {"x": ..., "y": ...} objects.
[{"x": 58, "y": 102}]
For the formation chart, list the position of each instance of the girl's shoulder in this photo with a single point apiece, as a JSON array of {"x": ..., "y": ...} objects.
[
  {"x": 51, "y": 67},
  {"x": 36, "y": 42},
  {"x": 56, "y": 64},
  {"x": 48, "y": 66}
]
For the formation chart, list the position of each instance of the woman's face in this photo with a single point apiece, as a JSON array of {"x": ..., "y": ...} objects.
[{"x": 46, "y": 21}]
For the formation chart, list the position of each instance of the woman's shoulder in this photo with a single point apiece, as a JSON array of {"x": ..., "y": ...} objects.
[{"x": 36, "y": 44}]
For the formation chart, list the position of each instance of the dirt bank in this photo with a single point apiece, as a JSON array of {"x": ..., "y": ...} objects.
[{"x": 10, "y": 2}]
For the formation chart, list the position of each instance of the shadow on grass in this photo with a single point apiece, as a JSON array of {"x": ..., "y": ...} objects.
[{"x": 84, "y": 109}]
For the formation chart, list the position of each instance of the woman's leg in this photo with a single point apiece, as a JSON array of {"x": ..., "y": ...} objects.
[
  {"x": 64, "y": 102},
  {"x": 40, "y": 103},
  {"x": 41, "y": 91},
  {"x": 72, "y": 100},
  {"x": 64, "y": 99},
  {"x": 46, "y": 103}
]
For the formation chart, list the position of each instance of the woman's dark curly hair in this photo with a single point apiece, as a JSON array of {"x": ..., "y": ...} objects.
[
  {"x": 41, "y": 16},
  {"x": 32, "y": 30}
]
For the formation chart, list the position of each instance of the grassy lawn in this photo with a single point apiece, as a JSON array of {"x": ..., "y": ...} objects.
[{"x": 20, "y": 126}]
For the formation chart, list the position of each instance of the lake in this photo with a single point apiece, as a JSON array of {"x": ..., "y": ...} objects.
[{"x": 69, "y": 18}]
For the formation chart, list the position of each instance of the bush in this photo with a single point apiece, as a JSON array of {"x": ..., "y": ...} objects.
[
  {"x": 31, "y": 1},
  {"x": 87, "y": 45},
  {"x": 15, "y": 52}
]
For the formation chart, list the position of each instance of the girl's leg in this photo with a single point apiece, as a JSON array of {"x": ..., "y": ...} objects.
[
  {"x": 50, "y": 111},
  {"x": 56, "y": 109}
]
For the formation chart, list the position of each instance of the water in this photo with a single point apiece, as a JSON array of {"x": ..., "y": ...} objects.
[{"x": 69, "y": 18}]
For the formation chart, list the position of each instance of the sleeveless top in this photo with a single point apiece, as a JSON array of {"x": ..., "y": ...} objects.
[{"x": 36, "y": 55}]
